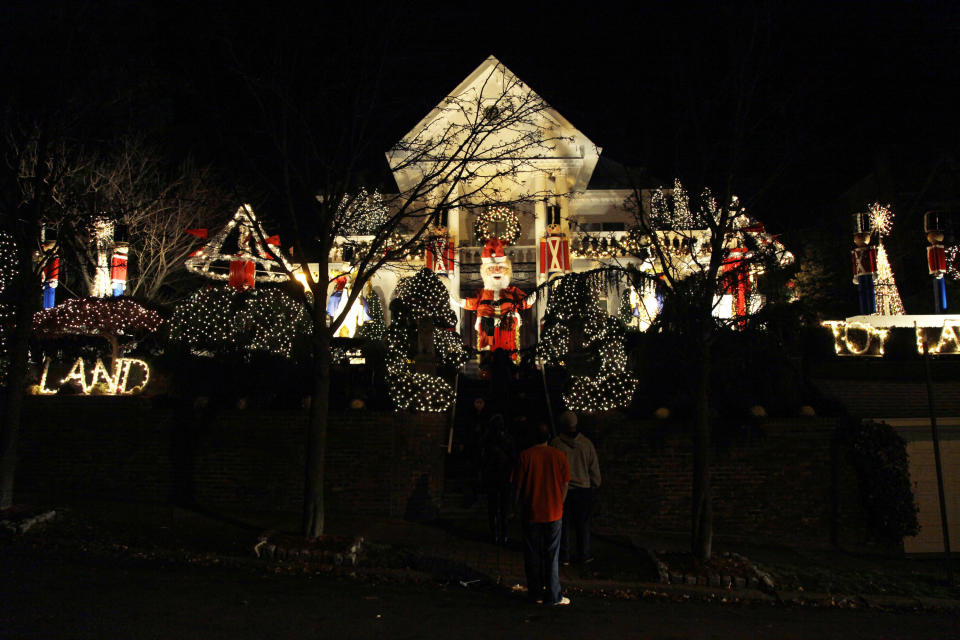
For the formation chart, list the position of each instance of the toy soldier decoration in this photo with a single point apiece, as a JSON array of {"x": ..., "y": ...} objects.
[
  {"x": 440, "y": 251},
  {"x": 554, "y": 251},
  {"x": 936, "y": 260},
  {"x": 864, "y": 264},
  {"x": 51, "y": 273},
  {"x": 118, "y": 269}
]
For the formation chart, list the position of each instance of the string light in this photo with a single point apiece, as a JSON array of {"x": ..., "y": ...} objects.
[
  {"x": 272, "y": 266},
  {"x": 101, "y": 381},
  {"x": 421, "y": 297},
  {"x": 362, "y": 214},
  {"x": 947, "y": 343},
  {"x": 574, "y": 309},
  {"x": 482, "y": 230},
  {"x": 874, "y": 338},
  {"x": 887, "y": 295},
  {"x": 8, "y": 269},
  {"x": 119, "y": 317},
  {"x": 225, "y": 319}
]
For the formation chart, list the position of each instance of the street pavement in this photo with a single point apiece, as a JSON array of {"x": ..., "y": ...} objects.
[{"x": 62, "y": 594}]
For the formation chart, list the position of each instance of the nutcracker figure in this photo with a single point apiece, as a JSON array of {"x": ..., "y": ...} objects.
[
  {"x": 864, "y": 264},
  {"x": 554, "y": 252},
  {"x": 118, "y": 269},
  {"x": 440, "y": 251},
  {"x": 936, "y": 260},
  {"x": 51, "y": 273}
]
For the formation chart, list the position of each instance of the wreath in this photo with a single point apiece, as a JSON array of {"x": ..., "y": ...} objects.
[
  {"x": 483, "y": 232},
  {"x": 422, "y": 297},
  {"x": 579, "y": 336}
]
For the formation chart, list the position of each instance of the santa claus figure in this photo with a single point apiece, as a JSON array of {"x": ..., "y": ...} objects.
[{"x": 498, "y": 304}]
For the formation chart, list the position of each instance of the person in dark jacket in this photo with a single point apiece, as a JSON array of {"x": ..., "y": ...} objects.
[
  {"x": 584, "y": 480},
  {"x": 497, "y": 459}
]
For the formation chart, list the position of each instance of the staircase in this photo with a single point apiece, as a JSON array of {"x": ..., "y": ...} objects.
[{"x": 527, "y": 396}]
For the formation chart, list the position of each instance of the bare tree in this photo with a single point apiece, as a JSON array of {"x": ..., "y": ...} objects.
[
  {"x": 131, "y": 187},
  {"x": 475, "y": 148},
  {"x": 702, "y": 255},
  {"x": 40, "y": 163}
]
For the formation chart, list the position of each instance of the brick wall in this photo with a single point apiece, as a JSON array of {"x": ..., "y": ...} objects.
[
  {"x": 77, "y": 448},
  {"x": 779, "y": 482}
]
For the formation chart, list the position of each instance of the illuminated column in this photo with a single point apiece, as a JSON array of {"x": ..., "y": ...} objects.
[
  {"x": 103, "y": 242},
  {"x": 540, "y": 214},
  {"x": 561, "y": 189},
  {"x": 453, "y": 228}
]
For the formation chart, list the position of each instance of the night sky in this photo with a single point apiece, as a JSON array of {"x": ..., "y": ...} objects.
[{"x": 793, "y": 104}]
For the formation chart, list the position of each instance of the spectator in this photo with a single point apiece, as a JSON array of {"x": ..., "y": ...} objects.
[
  {"x": 584, "y": 480},
  {"x": 541, "y": 477}
]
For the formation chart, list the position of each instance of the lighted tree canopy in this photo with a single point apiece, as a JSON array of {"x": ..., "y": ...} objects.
[{"x": 120, "y": 321}]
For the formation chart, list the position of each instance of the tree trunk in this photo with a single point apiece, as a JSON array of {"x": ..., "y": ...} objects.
[
  {"x": 17, "y": 375},
  {"x": 313, "y": 504},
  {"x": 702, "y": 510}
]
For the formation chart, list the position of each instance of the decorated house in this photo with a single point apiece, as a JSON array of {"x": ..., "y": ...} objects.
[{"x": 559, "y": 209}]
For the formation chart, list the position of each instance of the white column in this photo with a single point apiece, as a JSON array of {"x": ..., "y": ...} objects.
[
  {"x": 453, "y": 226},
  {"x": 540, "y": 216}
]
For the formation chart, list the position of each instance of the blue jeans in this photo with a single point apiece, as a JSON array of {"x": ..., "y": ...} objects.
[{"x": 541, "y": 547}]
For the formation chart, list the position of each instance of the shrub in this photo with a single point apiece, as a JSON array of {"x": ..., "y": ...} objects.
[{"x": 879, "y": 456}]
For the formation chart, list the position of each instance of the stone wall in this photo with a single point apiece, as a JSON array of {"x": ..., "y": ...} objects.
[
  {"x": 106, "y": 448},
  {"x": 780, "y": 482}
]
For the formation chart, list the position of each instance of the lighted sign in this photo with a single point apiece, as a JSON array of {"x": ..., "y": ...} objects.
[
  {"x": 129, "y": 376},
  {"x": 944, "y": 344},
  {"x": 857, "y": 339}
]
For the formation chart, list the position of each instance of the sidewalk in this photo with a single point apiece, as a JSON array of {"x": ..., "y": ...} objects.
[{"x": 456, "y": 551}]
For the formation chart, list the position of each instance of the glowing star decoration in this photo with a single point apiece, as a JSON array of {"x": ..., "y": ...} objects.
[
  {"x": 245, "y": 260},
  {"x": 864, "y": 341},
  {"x": 121, "y": 381}
]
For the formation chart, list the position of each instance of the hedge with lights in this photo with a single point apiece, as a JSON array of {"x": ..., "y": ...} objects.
[
  {"x": 220, "y": 320},
  {"x": 420, "y": 298},
  {"x": 483, "y": 232},
  {"x": 8, "y": 268},
  {"x": 574, "y": 316}
]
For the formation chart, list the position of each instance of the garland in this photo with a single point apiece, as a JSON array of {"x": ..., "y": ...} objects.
[
  {"x": 418, "y": 298},
  {"x": 574, "y": 316},
  {"x": 481, "y": 226}
]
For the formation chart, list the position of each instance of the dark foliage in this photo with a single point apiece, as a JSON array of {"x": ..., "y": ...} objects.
[{"x": 879, "y": 456}]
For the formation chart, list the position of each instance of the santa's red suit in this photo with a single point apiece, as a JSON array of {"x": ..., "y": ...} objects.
[
  {"x": 498, "y": 304},
  {"x": 498, "y": 317}
]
